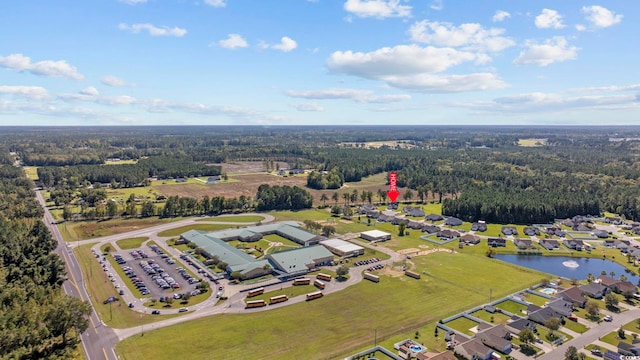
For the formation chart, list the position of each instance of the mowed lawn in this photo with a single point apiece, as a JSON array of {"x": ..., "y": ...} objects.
[
  {"x": 204, "y": 227},
  {"x": 338, "y": 324},
  {"x": 238, "y": 218}
]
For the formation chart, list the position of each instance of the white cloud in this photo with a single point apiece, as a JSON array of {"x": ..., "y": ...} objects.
[
  {"x": 398, "y": 60},
  {"x": 581, "y": 27},
  {"x": 469, "y": 35},
  {"x": 216, "y": 3},
  {"x": 286, "y": 44},
  {"x": 601, "y": 17},
  {"x": 430, "y": 83},
  {"x": 549, "y": 19},
  {"x": 377, "y": 8},
  {"x": 233, "y": 41},
  {"x": 552, "y": 102},
  {"x": 356, "y": 95},
  {"x": 308, "y": 106},
  {"x": 133, "y": 2},
  {"x": 25, "y": 92},
  {"x": 51, "y": 68},
  {"x": 552, "y": 50},
  {"x": 90, "y": 91},
  {"x": 500, "y": 15},
  {"x": 111, "y": 80},
  {"x": 153, "y": 30},
  {"x": 436, "y": 5},
  {"x": 633, "y": 87}
]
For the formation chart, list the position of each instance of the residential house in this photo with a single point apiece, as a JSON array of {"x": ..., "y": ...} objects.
[
  {"x": 470, "y": 239},
  {"x": 568, "y": 222},
  {"x": 434, "y": 217},
  {"x": 560, "y": 306},
  {"x": 430, "y": 229},
  {"x": 517, "y": 324},
  {"x": 479, "y": 226},
  {"x": 574, "y": 244},
  {"x": 582, "y": 228},
  {"x": 445, "y": 355},
  {"x": 385, "y": 218},
  {"x": 452, "y": 221},
  {"x": 531, "y": 231},
  {"x": 610, "y": 243},
  {"x": 573, "y": 295},
  {"x": 213, "y": 179},
  {"x": 602, "y": 234},
  {"x": 473, "y": 349},
  {"x": 497, "y": 242},
  {"x": 594, "y": 290},
  {"x": 613, "y": 220},
  {"x": 554, "y": 230},
  {"x": 622, "y": 287},
  {"x": 632, "y": 349},
  {"x": 509, "y": 230},
  {"x": 550, "y": 244},
  {"x": 636, "y": 230},
  {"x": 541, "y": 315},
  {"x": 607, "y": 281},
  {"x": 399, "y": 219},
  {"x": 373, "y": 214},
  {"x": 448, "y": 234},
  {"x": 412, "y": 224},
  {"x": 523, "y": 243},
  {"x": 496, "y": 337},
  {"x": 413, "y": 211}
]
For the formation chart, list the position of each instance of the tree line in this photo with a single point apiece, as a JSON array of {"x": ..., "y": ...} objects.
[{"x": 37, "y": 321}]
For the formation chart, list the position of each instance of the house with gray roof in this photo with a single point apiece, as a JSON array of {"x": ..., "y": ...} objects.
[
  {"x": 479, "y": 226},
  {"x": 594, "y": 290},
  {"x": 632, "y": 349},
  {"x": 560, "y": 306},
  {"x": 434, "y": 217},
  {"x": 453, "y": 221},
  {"x": 523, "y": 243},
  {"x": 430, "y": 229},
  {"x": 497, "y": 242},
  {"x": 473, "y": 349},
  {"x": 509, "y": 230},
  {"x": 549, "y": 244},
  {"x": 573, "y": 295}
]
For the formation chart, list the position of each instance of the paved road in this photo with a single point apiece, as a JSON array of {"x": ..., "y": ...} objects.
[{"x": 99, "y": 340}]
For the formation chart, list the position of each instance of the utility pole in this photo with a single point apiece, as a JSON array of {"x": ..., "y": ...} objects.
[
  {"x": 375, "y": 337},
  {"x": 490, "y": 295}
]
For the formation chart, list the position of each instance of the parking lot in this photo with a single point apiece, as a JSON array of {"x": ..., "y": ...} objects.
[{"x": 153, "y": 272}]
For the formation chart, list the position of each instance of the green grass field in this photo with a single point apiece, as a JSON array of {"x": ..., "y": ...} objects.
[
  {"x": 535, "y": 299},
  {"x": 31, "y": 172},
  {"x": 239, "y": 219},
  {"x": 131, "y": 243},
  {"x": 498, "y": 317},
  {"x": 463, "y": 325},
  {"x": 341, "y": 322},
  {"x": 204, "y": 227},
  {"x": 512, "y": 307},
  {"x": 575, "y": 326}
]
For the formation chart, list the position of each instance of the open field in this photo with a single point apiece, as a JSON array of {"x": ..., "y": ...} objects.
[
  {"x": 535, "y": 299},
  {"x": 335, "y": 326},
  {"x": 204, "y": 227},
  {"x": 73, "y": 231},
  {"x": 532, "y": 142},
  {"x": 247, "y": 184},
  {"x": 131, "y": 243},
  {"x": 31, "y": 171},
  {"x": 498, "y": 317},
  {"x": 239, "y": 218}
]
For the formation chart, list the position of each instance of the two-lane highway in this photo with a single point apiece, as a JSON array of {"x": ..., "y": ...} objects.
[{"x": 99, "y": 340}]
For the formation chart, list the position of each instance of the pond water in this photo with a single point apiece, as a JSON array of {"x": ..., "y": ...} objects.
[{"x": 569, "y": 267}]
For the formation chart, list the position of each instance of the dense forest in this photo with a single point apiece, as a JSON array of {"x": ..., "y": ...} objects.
[
  {"x": 564, "y": 171},
  {"x": 36, "y": 320}
]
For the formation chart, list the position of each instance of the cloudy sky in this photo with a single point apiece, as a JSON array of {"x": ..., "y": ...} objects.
[{"x": 319, "y": 62}]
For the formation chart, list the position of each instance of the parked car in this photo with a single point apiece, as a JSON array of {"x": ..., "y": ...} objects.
[
  {"x": 608, "y": 318},
  {"x": 155, "y": 312},
  {"x": 184, "y": 309},
  {"x": 131, "y": 305},
  {"x": 110, "y": 299}
]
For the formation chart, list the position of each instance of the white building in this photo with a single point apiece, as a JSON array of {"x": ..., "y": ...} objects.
[
  {"x": 375, "y": 235},
  {"x": 342, "y": 248}
]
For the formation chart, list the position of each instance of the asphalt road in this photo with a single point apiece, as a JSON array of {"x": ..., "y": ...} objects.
[{"x": 99, "y": 340}]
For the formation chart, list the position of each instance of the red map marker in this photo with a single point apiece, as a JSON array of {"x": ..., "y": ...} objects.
[{"x": 393, "y": 189}]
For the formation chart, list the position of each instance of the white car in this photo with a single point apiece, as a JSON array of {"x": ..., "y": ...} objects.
[{"x": 608, "y": 318}]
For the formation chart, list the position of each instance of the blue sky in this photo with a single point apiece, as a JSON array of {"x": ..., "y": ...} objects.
[{"x": 319, "y": 62}]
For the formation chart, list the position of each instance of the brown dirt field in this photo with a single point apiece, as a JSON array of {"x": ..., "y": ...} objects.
[
  {"x": 92, "y": 229},
  {"x": 247, "y": 184}
]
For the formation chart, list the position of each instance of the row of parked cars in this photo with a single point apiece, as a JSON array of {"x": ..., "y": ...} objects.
[
  {"x": 157, "y": 250},
  {"x": 366, "y": 262},
  {"x": 185, "y": 275},
  {"x": 137, "y": 282}
]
